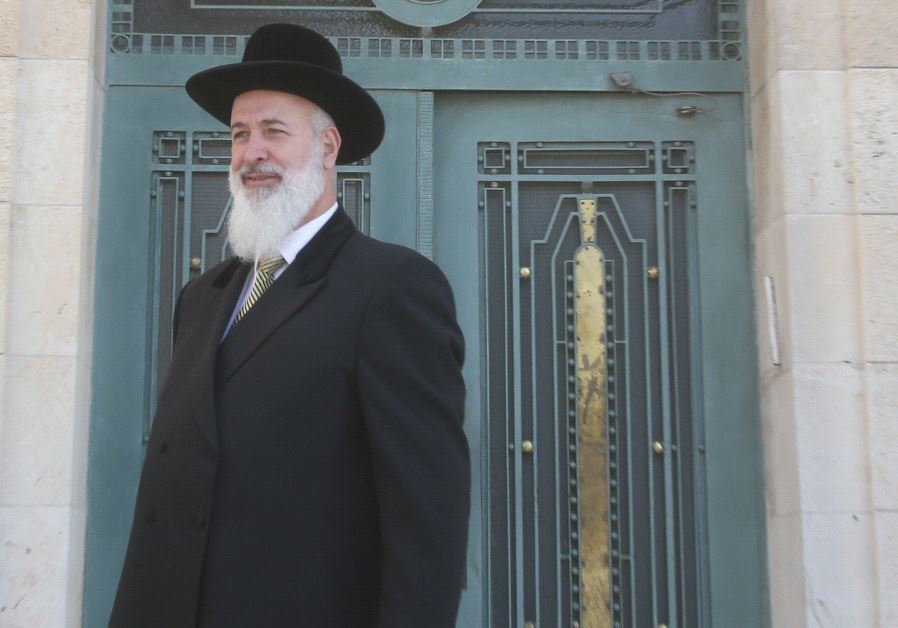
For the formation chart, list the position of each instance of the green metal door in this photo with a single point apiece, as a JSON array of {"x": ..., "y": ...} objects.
[
  {"x": 619, "y": 479},
  {"x": 165, "y": 195},
  {"x": 597, "y": 243}
]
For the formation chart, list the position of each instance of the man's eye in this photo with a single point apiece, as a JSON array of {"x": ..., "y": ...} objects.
[{"x": 238, "y": 136}]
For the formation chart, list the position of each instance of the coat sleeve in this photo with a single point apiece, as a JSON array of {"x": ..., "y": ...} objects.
[{"x": 411, "y": 392}]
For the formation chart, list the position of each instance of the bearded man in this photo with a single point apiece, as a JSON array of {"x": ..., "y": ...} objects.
[{"x": 307, "y": 464}]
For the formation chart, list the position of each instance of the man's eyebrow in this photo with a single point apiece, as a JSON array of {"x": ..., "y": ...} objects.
[{"x": 266, "y": 122}]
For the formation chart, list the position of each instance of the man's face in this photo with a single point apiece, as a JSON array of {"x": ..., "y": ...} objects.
[
  {"x": 282, "y": 161},
  {"x": 270, "y": 128}
]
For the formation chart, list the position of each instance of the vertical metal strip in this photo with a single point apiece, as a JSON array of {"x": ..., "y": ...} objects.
[
  {"x": 518, "y": 367},
  {"x": 509, "y": 354},
  {"x": 673, "y": 262},
  {"x": 425, "y": 174},
  {"x": 590, "y": 327},
  {"x": 484, "y": 250},
  {"x": 662, "y": 205},
  {"x": 696, "y": 390},
  {"x": 188, "y": 214}
]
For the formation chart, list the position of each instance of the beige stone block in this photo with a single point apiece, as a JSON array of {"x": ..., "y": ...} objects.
[
  {"x": 766, "y": 156},
  {"x": 55, "y": 29},
  {"x": 887, "y": 554},
  {"x": 5, "y": 219},
  {"x": 44, "y": 272},
  {"x": 816, "y": 161},
  {"x": 771, "y": 260},
  {"x": 763, "y": 61},
  {"x": 48, "y": 165},
  {"x": 821, "y": 289},
  {"x": 786, "y": 567},
  {"x": 811, "y": 33},
  {"x": 831, "y": 435},
  {"x": 839, "y": 561},
  {"x": 874, "y": 128},
  {"x": 75, "y": 579},
  {"x": 882, "y": 404},
  {"x": 8, "y": 76},
  {"x": 37, "y": 431},
  {"x": 99, "y": 40},
  {"x": 33, "y": 566},
  {"x": 9, "y": 28},
  {"x": 781, "y": 463},
  {"x": 879, "y": 286},
  {"x": 871, "y": 28}
]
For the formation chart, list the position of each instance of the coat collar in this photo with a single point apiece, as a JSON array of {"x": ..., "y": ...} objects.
[{"x": 294, "y": 288}]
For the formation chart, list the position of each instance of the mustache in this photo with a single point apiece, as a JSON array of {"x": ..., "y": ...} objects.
[{"x": 261, "y": 169}]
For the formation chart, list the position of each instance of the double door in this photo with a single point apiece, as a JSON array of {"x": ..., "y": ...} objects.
[{"x": 597, "y": 248}]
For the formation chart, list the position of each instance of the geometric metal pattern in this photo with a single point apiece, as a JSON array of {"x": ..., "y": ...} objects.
[
  {"x": 596, "y": 514},
  {"x": 576, "y": 30}
]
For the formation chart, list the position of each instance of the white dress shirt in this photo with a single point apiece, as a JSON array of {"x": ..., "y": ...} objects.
[{"x": 289, "y": 249}]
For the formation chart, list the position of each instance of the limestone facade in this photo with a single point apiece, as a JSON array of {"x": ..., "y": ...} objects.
[
  {"x": 824, "y": 137},
  {"x": 824, "y": 153}
]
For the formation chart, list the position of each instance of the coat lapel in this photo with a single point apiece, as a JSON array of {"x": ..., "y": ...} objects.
[
  {"x": 203, "y": 339},
  {"x": 292, "y": 290}
]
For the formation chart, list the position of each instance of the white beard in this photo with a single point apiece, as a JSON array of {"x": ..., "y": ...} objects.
[{"x": 261, "y": 218}]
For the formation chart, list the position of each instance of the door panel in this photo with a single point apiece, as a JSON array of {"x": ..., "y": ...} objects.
[
  {"x": 164, "y": 204},
  {"x": 594, "y": 448}
]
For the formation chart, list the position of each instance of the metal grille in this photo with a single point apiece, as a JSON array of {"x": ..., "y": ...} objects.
[
  {"x": 574, "y": 30},
  {"x": 645, "y": 228}
]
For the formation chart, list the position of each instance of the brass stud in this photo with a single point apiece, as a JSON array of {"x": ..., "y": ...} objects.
[
  {"x": 529, "y": 624},
  {"x": 195, "y": 263},
  {"x": 657, "y": 447},
  {"x": 653, "y": 272},
  {"x": 527, "y": 447},
  {"x": 525, "y": 272}
]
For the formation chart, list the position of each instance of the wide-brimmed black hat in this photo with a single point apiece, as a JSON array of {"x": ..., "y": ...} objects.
[{"x": 293, "y": 59}]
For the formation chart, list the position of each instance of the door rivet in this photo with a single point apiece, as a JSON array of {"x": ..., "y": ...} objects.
[
  {"x": 653, "y": 272},
  {"x": 527, "y": 447},
  {"x": 195, "y": 263},
  {"x": 657, "y": 447},
  {"x": 525, "y": 272}
]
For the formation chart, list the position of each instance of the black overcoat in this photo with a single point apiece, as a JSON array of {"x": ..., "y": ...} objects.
[{"x": 311, "y": 469}]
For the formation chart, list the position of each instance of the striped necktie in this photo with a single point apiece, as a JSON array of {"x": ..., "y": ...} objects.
[{"x": 265, "y": 272}]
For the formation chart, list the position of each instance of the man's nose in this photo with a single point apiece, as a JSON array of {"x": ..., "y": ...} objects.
[{"x": 256, "y": 149}]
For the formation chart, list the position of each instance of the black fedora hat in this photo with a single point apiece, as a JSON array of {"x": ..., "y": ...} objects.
[{"x": 293, "y": 59}]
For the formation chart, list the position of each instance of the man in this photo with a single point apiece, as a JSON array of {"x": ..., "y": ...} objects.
[{"x": 307, "y": 464}]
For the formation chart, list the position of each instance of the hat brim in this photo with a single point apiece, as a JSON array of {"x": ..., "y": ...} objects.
[{"x": 356, "y": 115}]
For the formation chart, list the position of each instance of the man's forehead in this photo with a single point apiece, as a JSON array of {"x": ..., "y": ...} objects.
[{"x": 260, "y": 101}]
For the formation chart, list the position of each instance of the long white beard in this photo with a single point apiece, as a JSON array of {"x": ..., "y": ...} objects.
[{"x": 261, "y": 218}]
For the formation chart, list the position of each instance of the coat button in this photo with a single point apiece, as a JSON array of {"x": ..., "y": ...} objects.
[{"x": 149, "y": 516}]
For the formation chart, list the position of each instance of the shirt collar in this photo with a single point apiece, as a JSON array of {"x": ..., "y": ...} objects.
[{"x": 298, "y": 238}]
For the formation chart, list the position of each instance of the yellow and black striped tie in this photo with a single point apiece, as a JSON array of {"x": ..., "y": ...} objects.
[{"x": 264, "y": 278}]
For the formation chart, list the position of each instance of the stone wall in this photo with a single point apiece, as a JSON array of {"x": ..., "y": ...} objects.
[
  {"x": 824, "y": 133},
  {"x": 48, "y": 107}
]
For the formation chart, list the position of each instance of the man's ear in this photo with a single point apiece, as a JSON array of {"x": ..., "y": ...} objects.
[{"x": 331, "y": 141}]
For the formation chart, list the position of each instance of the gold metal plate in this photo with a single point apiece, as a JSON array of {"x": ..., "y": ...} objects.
[{"x": 589, "y": 308}]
